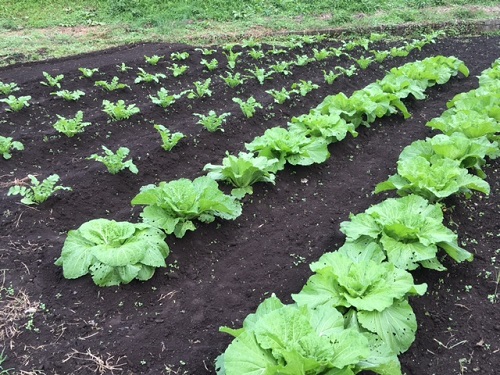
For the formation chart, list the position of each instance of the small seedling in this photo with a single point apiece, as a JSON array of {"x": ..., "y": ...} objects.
[
  {"x": 72, "y": 126},
  {"x": 399, "y": 52},
  {"x": 179, "y": 56},
  {"x": 88, "y": 73},
  {"x": 114, "y": 162},
  {"x": 212, "y": 121},
  {"x": 201, "y": 89},
  {"x": 364, "y": 62},
  {"x": 349, "y": 72},
  {"x": 119, "y": 110},
  {"x": 153, "y": 60},
  {"x": 249, "y": 107},
  {"x": 169, "y": 139},
  {"x": 280, "y": 96},
  {"x": 7, "y": 145},
  {"x": 123, "y": 68},
  {"x": 205, "y": 51},
  {"x": 282, "y": 67},
  {"x": 304, "y": 87},
  {"x": 303, "y": 60},
  {"x": 178, "y": 70},
  {"x": 16, "y": 104},
  {"x": 8, "y": 88},
  {"x": 113, "y": 85},
  {"x": 250, "y": 43},
  {"x": 163, "y": 98},
  {"x": 256, "y": 54},
  {"x": 330, "y": 77},
  {"x": 144, "y": 76},
  {"x": 68, "y": 95},
  {"x": 231, "y": 58},
  {"x": 210, "y": 65},
  {"x": 322, "y": 54},
  {"x": 260, "y": 74},
  {"x": 233, "y": 79},
  {"x": 380, "y": 56},
  {"x": 52, "y": 81},
  {"x": 37, "y": 192}
]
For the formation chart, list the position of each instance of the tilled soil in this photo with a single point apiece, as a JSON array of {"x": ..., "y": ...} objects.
[{"x": 219, "y": 273}]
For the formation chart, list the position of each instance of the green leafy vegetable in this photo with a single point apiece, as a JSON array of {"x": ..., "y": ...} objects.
[
  {"x": 69, "y": 95},
  {"x": 8, "y": 88},
  {"x": 163, "y": 98},
  {"x": 409, "y": 229},
  {"x": 172, "y": 206},
  {"x": 38, "y": 191},
  {"x": 249, "y": 106},
  {"x": 52, "y": 81},
  {"x": 113, "y": 85},
  {"x": 331, "y": 126},
  {"x": 243, "y": 171},
  {"x": 16, "y": 103},
  {"x": 113, "y": 252},
  {"x": 71, "y": 126},
  {"x": 114, "y": 162},
  {"x": 7, "y": 145},
  {"x": 119, "y": 110},
  {"x": 212, "y": 122},
  {"x": 169, "y": 139},
  {"x": 144, "y": 76}
]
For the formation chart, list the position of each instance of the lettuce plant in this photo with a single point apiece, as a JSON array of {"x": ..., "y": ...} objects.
[
  {"x": 114, "y": 162},
  {"x": 163, "y": 98},
  {"x": 212, "y": 122},
  {"x": 303, "y": 60},
  {"x": 119, "y": 110},
  {"x": 364, "y": 62},
  {"x": 243, "y": 171},
  {"x": 71, "y": 126},
  {"x": 304, "y": 87},
  {"x": 348, "y": 72},
  {"x": 233, "y": 79},
  {"x": 249, "y": 106},
  {"x": 68, "y": 95},
  {"x": 38, "y": 191},
  {"x": 260, "y": 74},
  {"x": 380, "y": 56},
  {"x": 153, "y": 60},
  {"x": 144, "y": 76},
  {"x": 280, "y": 96},
  {"x": 16, "y": 103},
  {"x": 123, "y": 68},
  {"x": 210, "y": 65},
  {"x": 169, "y": 139},
  {"x": 206, "y": 51},
  {"x": 282, "y": 67},
  {"x": 8, "y": 88},
  {"x": 201, "y": 89},
  {"x": 256, "y": 54},
  {"x": 410, "y": 231},
  {"x": 322, "y": 54},
  {"x": 289, "y": 146},
  {"x": 113, "y": 252},
  {"x": 172, "y": 206},
  {"x": 114, "y": 85},
  {"x": 358, "y": 281},
  {"x": 179, "y": 56},
  {"x": 7, "y": 145},
  {"x": 232, "y": 57},
  {"x": 330, "y": 76},
  {"x": 88, "y": 72},
  {"x": 52, "y": 81},
  {"x": 178, "y": 70},
  {"x": 287, "y": 339},
  {"x": 435, "y": 179}
]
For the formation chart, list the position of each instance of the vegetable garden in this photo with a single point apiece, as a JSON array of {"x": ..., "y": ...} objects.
[{"x": 155, "y": 193}]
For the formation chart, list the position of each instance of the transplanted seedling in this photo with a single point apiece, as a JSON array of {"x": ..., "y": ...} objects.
[
  {"x": 178, "y": 70},
  {"x": 16, "y": 103},
  {"x": 87, "y": 72},
  {"x": 330, "y": 76},
  {"x": 114, "y": 162},
  {"x": 52, "y": 81},
  {"x": 113, "y": 85},
  {"x": 304, "y": 87},
  {"x": 71, "y": 126},
  {"x": 179, "y": 56},
  {"x": 119, "y": 110},
  {"x": 201, "y": 89},
  {"x": 163, "y": 98},
  {"x": 37, "y": 192},
  {"x": 212, "y": 121},
  {"x": 7, "y": 145},
  {"x": 280, "y": 96},
  {"x": 210, "y": 65},
  {"x": 8, "y": 88},
  {"x": 144, "y": 76},
  {"x": 249, "y": 107},
  {"x": 69, "y": 95},
  {"x": 153, "y": 60},
  {"x": 169, "y": 139},
  {"x": 233, "y": 79},
  {"x": 260, "y": 74}
]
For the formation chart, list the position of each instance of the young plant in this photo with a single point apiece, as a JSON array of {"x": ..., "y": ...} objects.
[
  {"x": 212, "y": 122},
  {"x": 380, "y": 56},
  {"x": 330, "y": 77},
  {"x": 322, "y": 54},
  {"x": 280, "y": 96},
  {"x": 87, "y": 72},
  {"x": 172, "y": 206},
  {"x": 410, "y": 230},
  {"x": 243, "y": 171},
  {"x": 232, "y": 57},
  {"x": 276, "y": 51},
  {"x": 119, "y": 110},
  {"x": 364, "y": 62},
  {"x": 304, "y": 87},
  {"x": 8, "y": 88},
  {"x": 144, "y": 76},
  {"x": 233, "y": 79},
  {"x": 37, "y": 192},
  {"x": 178, "y": 70},
  {"x": 68, "y": 95},
  {"x": 52, "y": 81},
  {"x": 282, "y": 68},
  {"x": 349, "y": 72},
  {"x": 399, "y": 52},
  {"x": 256, "y": 54},
  {"x": 71, "y": 127},
  {"x": 201, "y": 90},
  {"x": 169, "y": 139},
  {"x": 250, "y": 43},
  {"x": 303, "y": 60},
  {"x": 113, "y": 85},
  {"x": 179, "y": 56},
  {"x": 7, "y": 145},
  {"x": 210, "y": 65},
  {"x": 205, "y": 51},
  {"x": 153, "y": 60},
  {"x": 114, "y": 162},
  {"x": 260, "y": 74},
  {"x": 123, "y": 68},
  {"x": 248, "y": 107},
  {"x": 113, "y": 252},
  {"x": 163, "y": 98},
  {"x": 16, "y": 104}
]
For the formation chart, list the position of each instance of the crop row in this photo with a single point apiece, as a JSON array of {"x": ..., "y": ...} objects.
[{"x": 353, "y": 314}]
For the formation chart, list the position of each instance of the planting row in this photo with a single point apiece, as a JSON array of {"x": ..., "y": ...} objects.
[{"x": 353, "y": 314}]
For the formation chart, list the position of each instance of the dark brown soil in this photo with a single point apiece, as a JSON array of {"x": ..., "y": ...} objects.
[{"x": 222, "y": 271}]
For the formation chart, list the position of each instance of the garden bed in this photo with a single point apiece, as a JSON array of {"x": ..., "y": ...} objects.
[{"x": 219, "y": 273}]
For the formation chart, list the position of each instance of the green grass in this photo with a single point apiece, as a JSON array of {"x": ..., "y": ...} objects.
[{"x": 96, "y": 24}]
